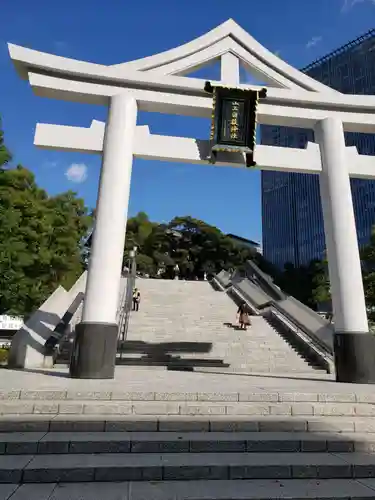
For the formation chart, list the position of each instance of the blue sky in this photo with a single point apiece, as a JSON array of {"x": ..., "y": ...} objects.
[{"x": 115, "y": 31}]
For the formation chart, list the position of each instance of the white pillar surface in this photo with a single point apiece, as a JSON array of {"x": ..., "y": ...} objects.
[
  {"x": 104, "y": 274},
  {"x": 344, "y": 264},
  {"x": 230, "y": 69}
]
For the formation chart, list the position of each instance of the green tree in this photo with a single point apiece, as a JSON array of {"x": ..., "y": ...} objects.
[
  {"x": 321, "y": 292},
  {"x": 138, "y": 229},
  {"x": 39, "y": 241},
  {"x": 202, "y": 248},
  {"x": 309, "y": 283},
  {"x": 368, "y": 273},
  {"x": 5, "y": 155},
  {"x": 195, "y": 246},
  {"x": 70, "y": 221},
  {"x": 145, "y": 264},
  {"x": 266, "y": 266}
]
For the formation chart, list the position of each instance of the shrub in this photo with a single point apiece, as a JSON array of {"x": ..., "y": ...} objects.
[{"x": 4, "y": 352}]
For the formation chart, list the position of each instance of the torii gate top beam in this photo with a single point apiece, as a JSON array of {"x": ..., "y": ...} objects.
[
  {"x": 147, "y": 73},
  {"x": 168, "y": 62}
]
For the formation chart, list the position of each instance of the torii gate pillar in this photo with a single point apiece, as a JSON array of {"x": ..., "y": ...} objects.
[
  {"x": 95, "y": 349},
  {"x": 353, "y": 344}
]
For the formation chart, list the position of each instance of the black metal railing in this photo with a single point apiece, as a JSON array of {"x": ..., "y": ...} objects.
[
  {"x": 62, "y": 326},
  {"x": 127, "y": 305}
]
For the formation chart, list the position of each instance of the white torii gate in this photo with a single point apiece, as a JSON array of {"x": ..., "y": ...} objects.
[{"x": 158, "y": 84}]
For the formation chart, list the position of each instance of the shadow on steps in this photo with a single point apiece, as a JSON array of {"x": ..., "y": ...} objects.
[
  {"x": 140, "y": 353},
  {"x": 166, "y": 354},
  {"x": 234, "y": 326}
]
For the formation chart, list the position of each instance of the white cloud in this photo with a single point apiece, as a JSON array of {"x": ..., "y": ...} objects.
[
  {"x": 313, "y": 41},
  {"x": 77, "y": 172},
  {"x": 349, "y": 4}
]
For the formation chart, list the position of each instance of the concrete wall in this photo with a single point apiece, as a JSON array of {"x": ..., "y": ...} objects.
[{"x": 27, "y": 347}]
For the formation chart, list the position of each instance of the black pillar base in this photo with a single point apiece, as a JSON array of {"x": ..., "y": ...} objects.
[
  {"x": 94, "y": 351},
  {"x": 355, "y": 357}
]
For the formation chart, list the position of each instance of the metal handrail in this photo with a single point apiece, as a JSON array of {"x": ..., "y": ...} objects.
[
  {"x": 130, "y": 283},
  {"x": 59, "y": 332},
  {"x": 127, "y": 307},
  {"x": 121, "y": 310}
]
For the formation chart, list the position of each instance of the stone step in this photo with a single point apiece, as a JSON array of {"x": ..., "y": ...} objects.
[
  {"x": 222, "y": 345},
  {"x": 265, "y": 356},
  {"x": 212, "y": 364},
  {"x": 252, "y": 365},
  {"x": 317, "y": 372},
  {"x": 27, "y": 443},
  {"x": 180, "y": 423},
  {"x": 179, "y": 466},
  {"x": 296, "y": 489},
  {"x": 228, "y": 408},
  {"x": 327, "y": 394},
  {"x": 258, "y": 489}
]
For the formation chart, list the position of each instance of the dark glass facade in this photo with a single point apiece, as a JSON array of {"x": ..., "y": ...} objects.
[{"x": 292, "y": 219}]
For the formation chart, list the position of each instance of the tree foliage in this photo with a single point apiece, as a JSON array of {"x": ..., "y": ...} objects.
[
  {"x": 5, "y": 155},
  {"x": 318, "y": 291},
  {"x": 321, "y": 292},
  {"x": 195, "y": 246},
  {"x": 198, "y": 248},
  {"x": 39, "y": 239},
  {"x": 309, "y": 284},
  {"x": 368, "y": 273}
]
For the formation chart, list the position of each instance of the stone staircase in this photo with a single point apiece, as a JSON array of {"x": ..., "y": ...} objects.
[
  {"x": 176, "y": 311},
  {"x": 71, "y": 444},
  {"x": 268, "y": 426}
]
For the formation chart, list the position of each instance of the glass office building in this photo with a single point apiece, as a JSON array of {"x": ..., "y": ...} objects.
[{"x": 292, "y": 217}]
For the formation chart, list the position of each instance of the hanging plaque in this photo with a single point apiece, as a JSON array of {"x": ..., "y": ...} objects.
[{"x": 233, "y": 126}]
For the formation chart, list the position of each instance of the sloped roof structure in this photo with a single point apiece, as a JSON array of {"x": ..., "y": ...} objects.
[
  {"x": 161, "y": 83},
  {"x": 228, "y": 38}
]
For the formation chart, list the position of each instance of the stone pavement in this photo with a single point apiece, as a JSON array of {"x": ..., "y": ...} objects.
[{"x": 158, "y": 379}]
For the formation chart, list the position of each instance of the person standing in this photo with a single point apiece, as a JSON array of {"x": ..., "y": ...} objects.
[
  {"x": 176, "y": 272},
  {"x": 243, "y": 316},
  {"x": 136, "y": 299}
]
